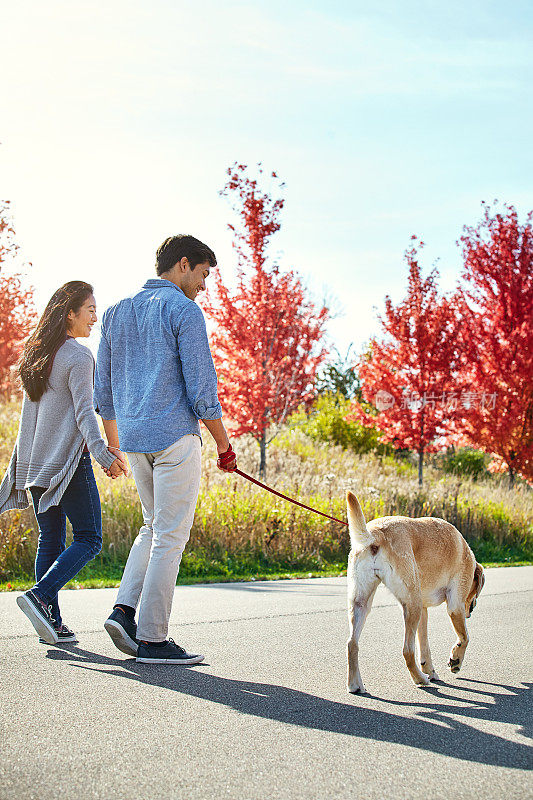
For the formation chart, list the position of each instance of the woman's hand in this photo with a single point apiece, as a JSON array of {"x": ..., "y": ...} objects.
[{"x": 119, "y": 466}]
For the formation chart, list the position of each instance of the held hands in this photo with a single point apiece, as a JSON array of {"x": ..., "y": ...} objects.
[
  {"x": 119, "y": 466},
  {"x": 227, "y": 461}
]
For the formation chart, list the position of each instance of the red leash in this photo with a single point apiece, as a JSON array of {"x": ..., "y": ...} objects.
[{"x": 284, "y": 497}]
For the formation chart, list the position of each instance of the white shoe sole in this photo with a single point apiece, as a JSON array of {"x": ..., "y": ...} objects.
[
  {"x": 42, "y": 627},
  {"x": 179, "y": 661},
  {"x": 120, "y": 638},
  {"x": 61, "y": 640}
]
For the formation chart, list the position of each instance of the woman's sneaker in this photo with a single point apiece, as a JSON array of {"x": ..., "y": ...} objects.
[
  {"x": 169, "y": 653},
  {"x": 39, "y": 615},
  {"x": 64, "y": 634},
  {"x": 122, "y": 631}
]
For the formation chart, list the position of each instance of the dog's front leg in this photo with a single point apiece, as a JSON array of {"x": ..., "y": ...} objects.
[
  {"x": 426, "y": 661},
  {"x": 458, "y": 651},
  {"x": 411, "y": 614}
]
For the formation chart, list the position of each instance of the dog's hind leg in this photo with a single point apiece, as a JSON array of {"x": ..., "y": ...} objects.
[
  {"x": 362, "y": 585},
  {"x": 412, "y": 611},
  {"x": 426, "y": 661},
  {"x": 406, "y": 589},
  {"x": 458, "y": 651}
]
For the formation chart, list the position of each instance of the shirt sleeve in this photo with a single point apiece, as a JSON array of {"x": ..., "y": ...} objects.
[
  {"x": 197, "y": 364},
  {"x": 103, "y": 392},
  {"x": 80, "y": 381}
]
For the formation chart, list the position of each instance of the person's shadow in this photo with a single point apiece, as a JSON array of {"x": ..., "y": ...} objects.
[{"x": 433, "y": 728}]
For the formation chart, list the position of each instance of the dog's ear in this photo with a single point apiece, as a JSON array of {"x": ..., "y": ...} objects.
[
  {"x": 479, "y": 579},
  {"x": 475, "y": 590}
]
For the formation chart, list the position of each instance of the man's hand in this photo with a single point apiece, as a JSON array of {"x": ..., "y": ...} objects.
[{"x": 227, "y": 461}]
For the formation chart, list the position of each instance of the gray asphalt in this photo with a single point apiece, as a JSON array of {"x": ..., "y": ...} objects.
[{"x": 267, "y": 714}]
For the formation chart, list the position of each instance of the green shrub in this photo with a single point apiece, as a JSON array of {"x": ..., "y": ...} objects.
[
  {"x": 464, "y": 462},
  {"x": 326, "y": 423}
]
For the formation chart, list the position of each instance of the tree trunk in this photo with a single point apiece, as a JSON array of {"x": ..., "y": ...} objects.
[
  {"x": 420, "y": 467},
  {"x": 421, "y": 451},
  {"x": 511, "y": 477},
  {"x": 262, "y": 461}
]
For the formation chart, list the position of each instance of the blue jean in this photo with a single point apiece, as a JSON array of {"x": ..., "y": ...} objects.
[{"x": 55, "y": 565}]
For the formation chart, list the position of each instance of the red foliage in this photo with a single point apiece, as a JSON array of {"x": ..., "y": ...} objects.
[
  {"x": 498, "y": 309},
  {"x": 17, "y": 315},
  {"x": 414, "y": 366},
  {"x": 8, "y": 246},
  {"x": 267, "y": 334}
]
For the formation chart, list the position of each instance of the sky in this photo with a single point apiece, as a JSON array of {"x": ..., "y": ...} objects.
[{"x": 119, "y": 119}]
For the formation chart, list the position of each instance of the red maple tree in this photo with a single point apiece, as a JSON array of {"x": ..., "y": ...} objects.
[
  {"x": 409, "y": 374},
  {"x": 8, "y": 245},
  {"x": 498, "y": 312},
  {"x": 267, "y": 333},
  {"x": 17, "y": 315}
]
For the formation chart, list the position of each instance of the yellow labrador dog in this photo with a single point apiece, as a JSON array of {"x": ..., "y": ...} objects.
[{"x": 423, "y": 562}]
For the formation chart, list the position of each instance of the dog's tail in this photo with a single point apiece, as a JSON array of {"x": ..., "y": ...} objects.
[{"x": 360, "y": 536}]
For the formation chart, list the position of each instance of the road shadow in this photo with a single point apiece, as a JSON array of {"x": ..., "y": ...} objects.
[{"x": 435, "y": 728}]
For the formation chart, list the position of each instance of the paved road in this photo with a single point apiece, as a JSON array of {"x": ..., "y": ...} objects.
[{"x": 267, "y": 715}]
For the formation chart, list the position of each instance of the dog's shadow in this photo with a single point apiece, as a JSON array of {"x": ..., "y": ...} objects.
[{"x": 435, "y": 728}]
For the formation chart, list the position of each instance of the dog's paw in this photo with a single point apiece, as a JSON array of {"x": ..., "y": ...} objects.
[
  {"x": 429, "y": 671},
  {"x": 357, "y": 688},
  {"x": 454, "y": 664},
  {"x": 422, "y": 681}
]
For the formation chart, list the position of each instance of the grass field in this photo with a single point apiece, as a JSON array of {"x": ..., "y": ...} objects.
[{"x": 241, "y": 532}]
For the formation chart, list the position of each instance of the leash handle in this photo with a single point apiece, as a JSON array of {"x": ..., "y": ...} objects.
[{"x": 284, "y": 497}]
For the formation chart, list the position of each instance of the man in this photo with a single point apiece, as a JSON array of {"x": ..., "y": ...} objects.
[{"x": 155, "y": 380}]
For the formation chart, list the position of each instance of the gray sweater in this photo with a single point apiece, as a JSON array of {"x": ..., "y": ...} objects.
[{"x": 53, "y": 432}]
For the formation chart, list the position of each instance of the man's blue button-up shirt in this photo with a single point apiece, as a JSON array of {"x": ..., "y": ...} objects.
[{"x": 154, "y": 370}]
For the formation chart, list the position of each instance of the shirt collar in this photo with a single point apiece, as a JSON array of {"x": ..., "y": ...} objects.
[{"x": 158, "y": 283}]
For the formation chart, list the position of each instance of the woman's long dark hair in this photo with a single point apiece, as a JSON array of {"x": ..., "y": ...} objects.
[{"x": 51, "y": 332}]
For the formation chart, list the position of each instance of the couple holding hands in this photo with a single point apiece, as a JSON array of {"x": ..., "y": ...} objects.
[{"x": 154, "y": 381}]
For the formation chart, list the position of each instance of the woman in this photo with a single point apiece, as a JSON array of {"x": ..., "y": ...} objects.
[{"x": 58, "y": 432}]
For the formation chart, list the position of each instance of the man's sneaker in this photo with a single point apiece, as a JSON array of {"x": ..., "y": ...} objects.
[
  {"x": 63, "y": 633},
  {"x": 39, "y": 615},
  {"x": 123, "y": 632},
  {"x": 170, "y": 653}
]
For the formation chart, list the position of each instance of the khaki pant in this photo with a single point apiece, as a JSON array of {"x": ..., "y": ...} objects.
[{"x": 168, "y": 484}]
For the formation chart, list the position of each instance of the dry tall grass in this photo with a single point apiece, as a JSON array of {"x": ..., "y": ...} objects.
[{"x": 239, "y": 528}]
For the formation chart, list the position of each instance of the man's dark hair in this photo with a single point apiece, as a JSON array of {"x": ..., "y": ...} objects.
[{"x": 175, "y": 248}]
